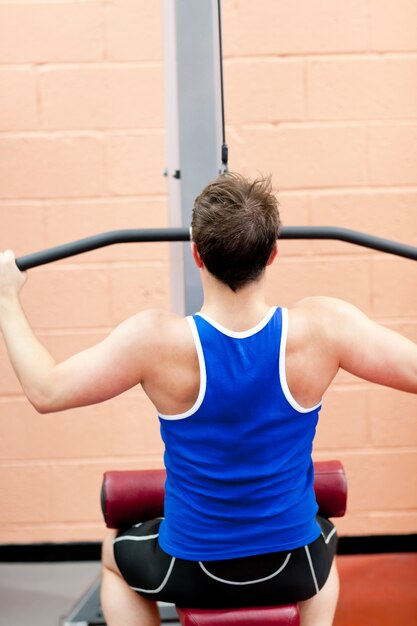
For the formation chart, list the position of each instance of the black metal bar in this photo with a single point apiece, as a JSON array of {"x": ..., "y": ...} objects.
[
  {"x": 350, "y": 236},
  {"x": 100, "y": 241},
  {"x": 182, "y": 234}
]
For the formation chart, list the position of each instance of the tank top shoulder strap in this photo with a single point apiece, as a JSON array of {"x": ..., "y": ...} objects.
[
  {"x": 231, "y": 333},
  {"x": 282, "y": 368}
]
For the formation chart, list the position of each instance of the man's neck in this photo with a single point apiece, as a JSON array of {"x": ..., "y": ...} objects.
[{"x": 238, "y": 310}]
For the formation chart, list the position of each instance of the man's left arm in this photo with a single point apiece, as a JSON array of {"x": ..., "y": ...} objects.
[{"x": 91, "y": 376}]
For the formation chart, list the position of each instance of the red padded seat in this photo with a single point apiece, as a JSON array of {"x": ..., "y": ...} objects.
[
  {"x": 132, "y": 496},
  {"x": 264, "y": 616}
]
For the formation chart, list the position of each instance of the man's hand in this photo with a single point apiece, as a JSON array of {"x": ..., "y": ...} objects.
[{"x": 11, "y": 278}]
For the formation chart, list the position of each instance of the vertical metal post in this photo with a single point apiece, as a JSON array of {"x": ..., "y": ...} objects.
[{"x": 193, "y": 118}]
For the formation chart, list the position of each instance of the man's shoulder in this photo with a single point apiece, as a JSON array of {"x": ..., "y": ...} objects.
[
  {"x": 157, "y": 324},
  {"x": 318, "y": 306},
  {"x": 320, "y": 316},
  {"x": 313, "y": 303}
]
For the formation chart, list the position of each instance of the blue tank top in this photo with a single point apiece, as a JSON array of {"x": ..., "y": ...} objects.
[{"x": 239, "y": 469}]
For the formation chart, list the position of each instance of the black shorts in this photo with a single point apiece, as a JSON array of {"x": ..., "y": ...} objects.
[{"x": 261, "y": 580}]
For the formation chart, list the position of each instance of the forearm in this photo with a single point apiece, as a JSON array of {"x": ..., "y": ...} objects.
[{"x": 30, "y": 360}]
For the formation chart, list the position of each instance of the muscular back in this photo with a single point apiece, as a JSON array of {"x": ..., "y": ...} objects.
[{"x": 324, "y": 334}]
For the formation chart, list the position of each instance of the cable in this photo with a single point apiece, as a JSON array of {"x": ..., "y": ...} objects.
[{"x": 225, "y": 149}]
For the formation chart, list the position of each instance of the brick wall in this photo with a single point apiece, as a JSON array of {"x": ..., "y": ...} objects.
[{"x": 322, "y": 95}]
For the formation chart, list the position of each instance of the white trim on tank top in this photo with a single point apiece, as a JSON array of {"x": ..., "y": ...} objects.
[
  {"x": 282, "y": 373},
  {"x": 240, "y": 335},
  {"x": 244, "y": 333},
  {"x": 197, "y": 342},
  {"x": 203, "y": 376}
]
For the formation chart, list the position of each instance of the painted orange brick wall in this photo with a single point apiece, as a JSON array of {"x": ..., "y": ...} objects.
[{"x": 320, "y": 93}]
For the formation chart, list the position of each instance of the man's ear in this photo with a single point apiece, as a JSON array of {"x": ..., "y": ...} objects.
[
  {"x": 196, "y": 256},
  {"x": 273, "y": 255}
]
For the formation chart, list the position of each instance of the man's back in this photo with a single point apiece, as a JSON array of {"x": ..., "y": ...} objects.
[
  {"x": 323, "y": 335},
  {"x": 242, "y": 452}
]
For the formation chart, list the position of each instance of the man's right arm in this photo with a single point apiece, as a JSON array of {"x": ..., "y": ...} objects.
[{"x": 369, "y": 350}]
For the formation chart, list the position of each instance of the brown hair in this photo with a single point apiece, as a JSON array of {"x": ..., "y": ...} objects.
[{"x": 235, "y": 224}]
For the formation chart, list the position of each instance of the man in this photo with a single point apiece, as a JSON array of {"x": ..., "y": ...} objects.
[{"x": 237, "y": 389}]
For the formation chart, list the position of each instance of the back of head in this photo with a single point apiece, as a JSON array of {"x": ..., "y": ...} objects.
[{"x": 235, "y": 224}]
